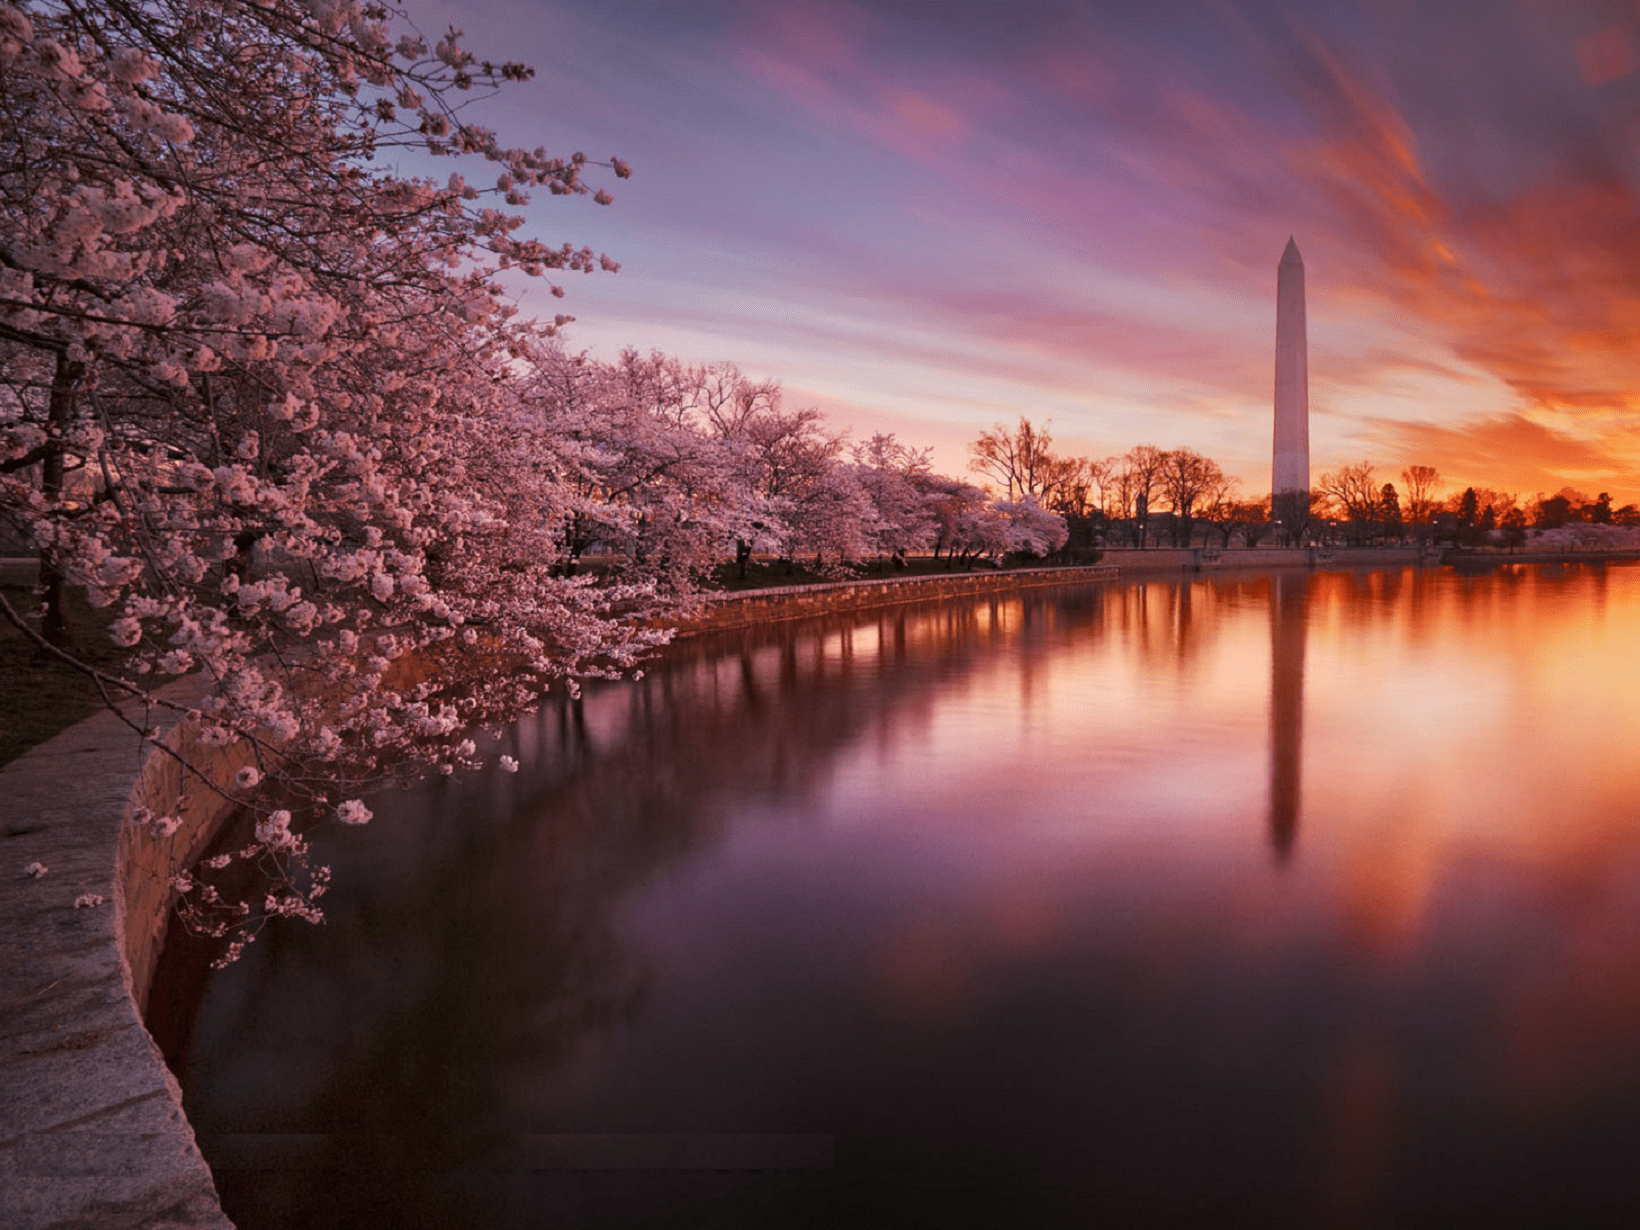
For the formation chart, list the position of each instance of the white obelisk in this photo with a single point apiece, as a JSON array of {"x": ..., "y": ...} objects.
[{"x": 1291, "y": 469}]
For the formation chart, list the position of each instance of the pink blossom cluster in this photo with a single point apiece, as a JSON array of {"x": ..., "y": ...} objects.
[
  {"x": 266, "y": 402},
  {"x": 260, "y": 397},
  {"x": 662, "y": 467},
  {"x": 1587, "y": 536}
]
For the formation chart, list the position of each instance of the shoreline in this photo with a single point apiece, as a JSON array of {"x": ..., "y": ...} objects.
[
  {"x": 738, "y": 609},
  {"x": 92, "y": 1131},
  {"x": 91, "y": 1124}
]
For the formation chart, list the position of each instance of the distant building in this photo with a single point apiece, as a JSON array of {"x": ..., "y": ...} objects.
[{"x": 1290, "y": 471}]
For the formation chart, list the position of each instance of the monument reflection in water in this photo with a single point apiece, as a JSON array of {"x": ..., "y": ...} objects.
[{"x": 1309, "y": 900}]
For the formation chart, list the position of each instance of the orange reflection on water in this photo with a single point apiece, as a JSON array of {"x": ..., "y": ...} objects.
[
  {"x": 1444, "y": 758},
  {"x": 1309, "y": 894}
]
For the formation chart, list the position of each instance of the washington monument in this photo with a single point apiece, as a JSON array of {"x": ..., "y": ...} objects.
[{"x": 1290, "y": 472}]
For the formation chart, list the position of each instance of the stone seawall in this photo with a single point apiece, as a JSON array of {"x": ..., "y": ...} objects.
[
  {"x": 91, "y": 1125},
  {"x": 725, "y": 612},
  {"x": 92, "y": 1132}
]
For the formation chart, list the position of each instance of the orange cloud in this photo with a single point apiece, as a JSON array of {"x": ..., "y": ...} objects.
[
  {"x": 1538, "y": 286},
  {"x": 1080, "y": 215},
  {"x": 1511, "y": 452}
]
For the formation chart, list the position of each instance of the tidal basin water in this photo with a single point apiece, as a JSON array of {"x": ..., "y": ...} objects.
[{"x": 1304, "y": 900}]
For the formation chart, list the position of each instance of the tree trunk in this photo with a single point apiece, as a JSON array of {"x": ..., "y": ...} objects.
[{"x": 54, "y": 627}]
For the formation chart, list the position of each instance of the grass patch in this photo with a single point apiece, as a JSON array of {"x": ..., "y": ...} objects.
[{"x": 44, "y": 697}]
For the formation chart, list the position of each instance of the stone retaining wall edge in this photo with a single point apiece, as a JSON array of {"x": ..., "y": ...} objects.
[{"x": 92, "y": 1131}]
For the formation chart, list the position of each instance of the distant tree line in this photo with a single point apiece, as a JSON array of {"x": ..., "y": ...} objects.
[
  {"x": 1145, "y": 497},
  {"x": 680, "y": 469},
  {"x": 1349, "y": 505},
  {"x": 1149, "y": 497}
]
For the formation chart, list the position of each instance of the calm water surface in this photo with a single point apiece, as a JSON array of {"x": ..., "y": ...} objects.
[{"x": 1310, "y": 900}]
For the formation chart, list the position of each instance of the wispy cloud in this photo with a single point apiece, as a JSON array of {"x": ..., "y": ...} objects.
[
  {"x": 1513, "y": 452},
  {"x": 1077, "y": 208}
]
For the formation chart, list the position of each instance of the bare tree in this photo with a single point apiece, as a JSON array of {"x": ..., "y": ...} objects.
[
  {"x": 1066, "y": 486},
  {"x": 1218, "y": 506},
  {"x": 1252, "y": 518},
  {"x": 1101, "y": 483},
  {"x": 1292, "y": 511},
  {"x": 1141, "y": 481},
  {"x": 1420, "y": 482},
  {"x": 1023, "y": 463},
  {"x": 1358, "y": 495},
  {"x": 1020, "y": 461},
  {"x": 1186, "y": 477}
]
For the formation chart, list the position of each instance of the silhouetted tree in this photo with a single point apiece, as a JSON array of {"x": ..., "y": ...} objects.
[
  {"x": 1013, "y": 459},
  {"x": 1468, "y": 508},
  {"x": 1552, "y": 512},
  {"x": 1024, "y": 464},
  {"x": 1420, "y": 482},
  {"x": 1357, "y": 496},
  {"x": 1253, "y": 520},
  {"x": 1291, "y": 513},
  {"x": 1142, "y": 480},
  {"x": 1514, "y": 528},
  {"x": 1187, "y": 477},
  {"x": 1389, "y": 512}
]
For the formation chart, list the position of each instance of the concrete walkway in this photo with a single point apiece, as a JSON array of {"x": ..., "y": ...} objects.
[{"x": 91, "y": 1126}]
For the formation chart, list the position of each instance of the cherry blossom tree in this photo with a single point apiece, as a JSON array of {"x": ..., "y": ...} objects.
[
  {"x": 261, "y": 393},
  {"x": 970, "y": 525},
  {"x": 895, "y": 478},
  {"x": 794, "y": 495},
  {"x": 1024, "y": 526},
  {"x": 645, "y": 484}
]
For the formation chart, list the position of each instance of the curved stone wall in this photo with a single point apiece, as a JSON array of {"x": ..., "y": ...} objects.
[
  {"x": 91, "y": 1125},
  {"x": 757, "y": 606}
]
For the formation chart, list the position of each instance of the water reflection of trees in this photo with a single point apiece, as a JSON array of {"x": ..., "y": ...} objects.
[
  {"x": 477, "y": 960},
  {"x": 475, "y": 936},
  {"x": 476, "y": 945}
]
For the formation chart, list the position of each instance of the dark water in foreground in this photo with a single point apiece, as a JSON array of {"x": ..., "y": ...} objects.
[{"x": 1305, "y": 901}]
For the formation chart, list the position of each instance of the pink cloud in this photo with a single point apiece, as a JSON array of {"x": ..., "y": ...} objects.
[{"x": 826, "y": 61}]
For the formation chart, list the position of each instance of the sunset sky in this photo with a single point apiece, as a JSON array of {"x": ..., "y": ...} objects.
[{"x": 928, "y": 217}]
